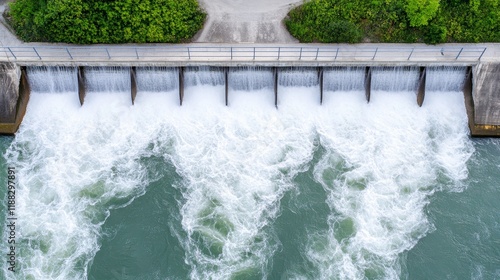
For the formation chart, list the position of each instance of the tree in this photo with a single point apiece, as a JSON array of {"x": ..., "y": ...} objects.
[{"x": 421, "y": 11}]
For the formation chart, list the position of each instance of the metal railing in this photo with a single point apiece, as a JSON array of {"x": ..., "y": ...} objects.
[{"x": 260, "y": 53}]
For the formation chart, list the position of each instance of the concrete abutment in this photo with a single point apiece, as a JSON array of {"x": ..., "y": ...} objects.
[
  {"x": 14, "y": 96},
  {"x": 481, "y": 93}
]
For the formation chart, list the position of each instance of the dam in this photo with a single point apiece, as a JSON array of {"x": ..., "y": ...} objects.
[
  {"x": 301, "y": 167},
  {"x": 80, "y": 70}
]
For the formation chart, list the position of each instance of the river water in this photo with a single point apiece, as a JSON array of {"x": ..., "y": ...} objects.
[{"x": 343, "y": 190}]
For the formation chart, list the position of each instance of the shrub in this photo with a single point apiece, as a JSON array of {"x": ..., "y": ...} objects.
[
  {"x": 421, "y": 11},
  {"x": 435, "y": 34},
  {"x": 106, "y": 21},
  {"x": 341, "y": 32},
  {"x": 409, "y": 21}
]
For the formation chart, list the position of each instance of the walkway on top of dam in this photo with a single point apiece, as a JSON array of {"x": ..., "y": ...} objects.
[
  {"x": 250, "y": 54},
  {"x": 248, "y": 44}
]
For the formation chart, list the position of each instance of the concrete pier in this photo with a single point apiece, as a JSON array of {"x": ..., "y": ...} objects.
[
  {"x": 14, "y": 96},
  {"x": 181, "y": 85},
  {"x": 368, "y": 83},
  {"x": 9, "y": 91},
  {"x": 81, "y": 84},
  {"x": 421, "y": 87},
  {"x": 133, "y": 84},
  {"x": 482, "y": 96}
]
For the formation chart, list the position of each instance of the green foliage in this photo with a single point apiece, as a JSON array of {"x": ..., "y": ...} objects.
[
  {"x": 321, "y": 21},
  {"x": 421, "y": 11},
  {"x": 409, "y": 21},
  {"x": 341, "y": 31},
  {"x": 435, "y": 34},
  {"x": 106, "y": 21}
]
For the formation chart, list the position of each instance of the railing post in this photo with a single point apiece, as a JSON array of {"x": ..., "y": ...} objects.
[
  {"x": 15, "y": 57},
  {"x": 376, "y": 50},
  {"x": 317, "y": 52},
  {"x": 69, "y": 53},
  {"x": 481, "y": 54},
  {"x": 279, "y": 52},
  {"x": 189, "y": 53},
  {"x": 109, "y": 56},
  {"x": 336, "y": 54},
  {"x": 136, "y": 53},
  {"x": 300, "y": 55},
  {"x": 231, "y": 53},
  {"x": 459, "y": 53},
  {"x": 37, "y": 53},
  {"x": 411, "y": 53}
]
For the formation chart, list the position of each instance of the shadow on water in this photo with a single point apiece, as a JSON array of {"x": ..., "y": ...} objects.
[{"x": 138, "y": 241}]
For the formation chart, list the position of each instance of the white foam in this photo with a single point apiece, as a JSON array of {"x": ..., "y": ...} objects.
[
  {"x": 72, "y": 163},
  {"x": 381, "y": 163}
]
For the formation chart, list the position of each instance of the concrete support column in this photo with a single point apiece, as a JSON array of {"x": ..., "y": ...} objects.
[
  {"x": 10, "y": 75},
  {"x": 81, "y": 84},
  {"x": 226, "y": 84},
  {"x": 320, "y": 80},
  {"x": 368, "y": 83},
  {"x": 421, "y": 87},
  {"x": 181, "y": 85},
  {"x": 275, "y": 86},
  {"x": 133, "y": 84},
  {"x": 14, "y": 97}
]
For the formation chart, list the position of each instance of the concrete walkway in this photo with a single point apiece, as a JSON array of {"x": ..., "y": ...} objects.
[
  {"x": 257, "y": 24},
  {"x": 6, "y": 37},
  {"x": 244, "y": 21}
]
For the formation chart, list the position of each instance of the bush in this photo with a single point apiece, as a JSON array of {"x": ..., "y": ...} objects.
[
  {"x": 106, "y": 21},
  {"x": 396, "y": 21},
  {"x": 341, "y": 32},
  {"x": 319, "y": 21},
  {"x": 435, "y": 34},
  {"x": 421, "y": 11}
]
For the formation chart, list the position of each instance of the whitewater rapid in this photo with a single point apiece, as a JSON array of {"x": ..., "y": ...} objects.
[{"x": 380, "y": 164}]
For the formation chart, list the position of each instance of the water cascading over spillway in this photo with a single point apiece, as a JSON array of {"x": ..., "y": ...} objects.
[
  {"x": 344, "y": 79},
  {"x": 377, "y": 164},
  {"x": 107, "y": 79},
  {"x": 157, "y": 79},
  {"x": 53, "y": 79},
  {"x": 251, "y": 88},
  {"x": 445, "y": 78},
  {"x": 298, "y": 77},
  {"x": 203, "y": 75},
  {"x": 395, "y": 79}
]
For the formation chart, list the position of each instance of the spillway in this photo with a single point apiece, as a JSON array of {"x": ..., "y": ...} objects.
[{"x": 233, "y": 185}]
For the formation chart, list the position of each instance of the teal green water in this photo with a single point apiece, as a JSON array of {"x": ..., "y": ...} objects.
[
  {"x": 385, "y": 190},
  {"x": 465, "y": 242},
  {"x": 140, "y": 241},
  {"x": 140, "y": 244}
]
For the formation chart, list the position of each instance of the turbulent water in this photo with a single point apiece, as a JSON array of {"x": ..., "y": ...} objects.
[{"x": 343, "y": 190}]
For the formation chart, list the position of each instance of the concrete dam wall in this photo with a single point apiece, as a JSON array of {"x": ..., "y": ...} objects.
[
  {"x": 478, "y": 82},
  {"x": 14, "y": 95}
]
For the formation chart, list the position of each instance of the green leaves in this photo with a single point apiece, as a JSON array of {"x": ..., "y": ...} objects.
[
  {"x": 401, "y": 21},
  {"x": 421, "y": 11},
  {"x": 107, "y": 21}
]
